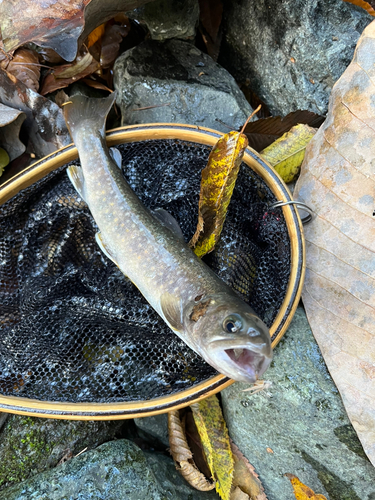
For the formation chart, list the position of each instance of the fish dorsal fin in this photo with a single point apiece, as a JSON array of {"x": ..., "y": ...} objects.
[
  {"x": 116, "y": 156},
  {"x": 104, "y": 247},
  {"x": 172, "y": 310},
  {"x": 168, "y": 221},
  {"x": 75, "y": 174}
]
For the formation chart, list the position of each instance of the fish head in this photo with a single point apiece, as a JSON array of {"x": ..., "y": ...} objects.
[{"x": 229, "y": 335}]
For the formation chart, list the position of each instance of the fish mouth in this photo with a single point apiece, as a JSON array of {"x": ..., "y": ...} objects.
[
  {"x": 250, "y": 364},
  {"x": 241, "y": 363}
]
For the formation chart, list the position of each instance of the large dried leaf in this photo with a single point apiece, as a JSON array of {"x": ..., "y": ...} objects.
[
  {"x": 44, "y": 123},
  {"x": 215, "y": 440},
  {"x": 286, "y": 154},
  {"x": 10, "y": 125},
  {"x": 301, "y": 491},
  {"x": 245, "y": 477},
  {"x": 57, "y": 25},
  {"x": 337, "y": 180},
  {"x": 263, "y": 132},
  {"x": 64, "y": 75},
  {"x": 25, "y": 67},
  {"x": 217, "y": 184},
  {"x": 182, "y": 454}
]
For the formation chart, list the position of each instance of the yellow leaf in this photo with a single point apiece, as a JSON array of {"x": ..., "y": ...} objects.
[
  {"x": 215, "y": 440},
  {"x": 95, "y": 35},
  {"x": 301, "y": 491},
  {"x": 363, "y": 5},
  {"x": 286, "y": 154},
  {"x": 217, "y": 184},
  {"x": 4, "y": 160}
]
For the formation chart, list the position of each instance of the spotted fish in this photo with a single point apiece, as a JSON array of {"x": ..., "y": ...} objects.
[{"x": 149, "y": 248}]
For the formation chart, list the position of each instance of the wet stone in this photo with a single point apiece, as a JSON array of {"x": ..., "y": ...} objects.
[
  {"x": 167, "y": 19},
  {"x": 154, "y": 430},
  {"x": 113, "y": 471},
  {"x": 29, "y": 445},
  {"x": 302, "y": 428},
  {"x": 177, "y": 83},
  {"x": 291, "y": 52}
]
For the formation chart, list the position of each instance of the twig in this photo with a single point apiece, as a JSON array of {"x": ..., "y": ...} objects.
[{"x": 154, "y": 106}]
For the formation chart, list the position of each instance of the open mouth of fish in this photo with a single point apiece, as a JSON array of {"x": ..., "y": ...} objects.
[{"x": 252, "y": 364}]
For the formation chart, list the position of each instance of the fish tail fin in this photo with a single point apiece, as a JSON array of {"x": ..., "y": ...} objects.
[{"x": 85, "y": 112}]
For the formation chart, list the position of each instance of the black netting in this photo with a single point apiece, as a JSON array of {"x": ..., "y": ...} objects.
[{"x": 73, "y": 328}]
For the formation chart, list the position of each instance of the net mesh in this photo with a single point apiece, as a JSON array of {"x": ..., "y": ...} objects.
[{"x": 74, "y": 329}]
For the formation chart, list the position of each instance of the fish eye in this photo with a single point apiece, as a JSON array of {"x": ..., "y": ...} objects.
[{"x": 232, "y": 323}]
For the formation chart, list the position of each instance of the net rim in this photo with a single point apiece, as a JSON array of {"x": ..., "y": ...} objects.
[{"x": 136, "y": 133}]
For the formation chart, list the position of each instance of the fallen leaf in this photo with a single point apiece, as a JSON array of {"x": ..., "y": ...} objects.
[
  {"x": 44, "y": 124},
  {"x": 183, "y": 456},
  {"x": 25, "y": 67},
  {"x": 210, "y": 16},
  {"x": 263, "y": 132},
  {"x": 64, "y": 75},
  {"x": 338, "y": 181},
  {"x": 245, "y": 477},
  {"x": 301, "y": 491},
  {"x": 10, "y": 125},
  {"x": 238, "y": 494},
  {"x": 218, "y": 179},
  {"x": 215, "y": 440},
  {"x": 363, "y": 5},
  {"x": 4, "y": 160},
  {"x": 286, "y": 154},
  {"x": 110, "y": 46},
  {"x": 61, "y": 26}
]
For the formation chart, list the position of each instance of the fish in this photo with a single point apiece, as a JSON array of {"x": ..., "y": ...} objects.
[{"x": 149, "y": 248}]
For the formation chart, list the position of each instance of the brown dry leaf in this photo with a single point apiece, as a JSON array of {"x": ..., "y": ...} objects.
[
  {"x": 61, "y": 26},
  {"x": 64, "y": 75},
  {"x": 265, "y": 131},
  {"x": 182, "y": 454},
  {"x": 238, "y": 494},
  {"x": 112, "y": 38},
  {"x": 25, "y": 67},
  {"x": 245, "y": 477},
  {"x": 10, "y": 124},
  {"x": 44, "y": 124},
  {"x": 338, "y": 181},
  {"x": 210, "y": 16},
  {"x": 363, "y": 5},
  {"x": 301, "y": 491}
]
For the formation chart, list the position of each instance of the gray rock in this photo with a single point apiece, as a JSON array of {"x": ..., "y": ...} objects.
[
  {"x": 154, "y": 430},
  {"x": 189, "y": 85},
  {"x": 172, "y": 485},
  {"x": 30, "y": 445},
  {"x": 304, "y": 423},
  {"x": 113, "y": 471},
  {"x": 292, "y": 51},
  {"x": 167, "y": 19}
]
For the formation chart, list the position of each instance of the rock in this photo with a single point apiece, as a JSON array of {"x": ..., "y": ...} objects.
[
  {"x": 292, "y": 52},
  {"x": 189, "y": 85},
  {"x": 304, "y": 424},
  {"x": 154, "y": 430},
  {"x": 29, "y": 445},
  {"x": 167, "y": 19},
  {"x": 113, "y": 471}
]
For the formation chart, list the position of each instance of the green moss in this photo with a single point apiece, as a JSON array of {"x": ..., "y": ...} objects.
[{"x": 21, "y": 452}]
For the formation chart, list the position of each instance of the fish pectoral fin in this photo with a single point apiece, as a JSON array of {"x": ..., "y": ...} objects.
[
  {"x": 116, "y": 157},
  {"x": 168, "y": 221},
  {"x": 75, "y": 174},
  {"x": 172, "y": 310},
  {"x": 104, "y": 247}
]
